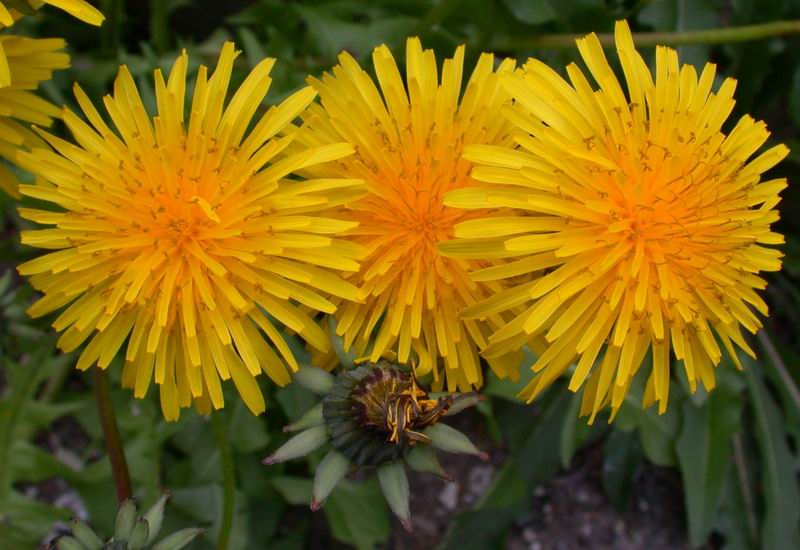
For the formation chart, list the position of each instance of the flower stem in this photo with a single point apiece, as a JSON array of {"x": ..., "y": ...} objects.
[
  {"x": 228, "y": 480},
  {"x": 108, "y": 421},
  {"x": 742, "y": 33}
]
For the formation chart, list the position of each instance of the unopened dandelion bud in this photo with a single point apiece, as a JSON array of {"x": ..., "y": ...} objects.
[
  {"x": 178, "y": 540},
  {"x": 329, "y": 473},
  {"x": 450, "y": 440},
  {"x": 84, "y": 534},
  {"x": 376, "y": 414},
  {"x": 314, "y": 379},
  {"x": 464, "y": 401},
  {"x": 69, "y": 543},
  {"x": 422, "y": 458},
  {"x": 312, "y": 417},
  {"x": 125, "y": 520},
  {"x": 299, "y": 445},
  {"x": 139, "y": 535},
  {"x": 394, "y": 484},
  {"x": 155, "y": 517}
]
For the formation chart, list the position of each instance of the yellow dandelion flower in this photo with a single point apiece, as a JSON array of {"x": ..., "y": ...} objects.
[
  {"x": 409, "y": 139},
  {"x": 186, "y": 239},
  {"x": 29, "y": 62},
  {"x": 645, "y": 222},
  {"x": 10, "y": 11}
]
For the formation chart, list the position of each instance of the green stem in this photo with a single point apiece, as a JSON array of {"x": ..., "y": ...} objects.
[
  {"x": 743, "y": 33},
  {"x": 108, "y": 421},
  {"x": 228, "y": 480}
]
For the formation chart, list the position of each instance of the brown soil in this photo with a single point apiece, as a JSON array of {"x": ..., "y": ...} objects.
[{"x": 571, "y": 511}]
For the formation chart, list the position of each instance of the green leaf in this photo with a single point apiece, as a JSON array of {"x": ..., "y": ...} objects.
[
  {"x": 252, "y": 47},
  {"x": 574, "y": 431},
  {"x": 295, "y": 400},
  {"x": 657, "y": 433},
  {"x": 539, "y": 457},
  {"x": 622, "y": 457},
  {"x": 506, "y": 388},
  {"x": 531, "y": 12},
  {"x": 358, "y": 515},
  {"x": 247, "y": 432},
  {"x": 24, "y": 522},
  {"x": 333, "y": 33},
  {"x": 704, "y": 452},
  {"x": 296, "y": 490},
  {"x": 781, "y": 510}
]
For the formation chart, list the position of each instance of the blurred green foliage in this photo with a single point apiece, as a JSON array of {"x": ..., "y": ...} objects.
[{"x": 736, "y": 450}]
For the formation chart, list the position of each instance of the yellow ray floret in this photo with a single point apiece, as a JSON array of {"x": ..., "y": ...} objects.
[
  {"x": 185, "y": 237},
  {"x": 652, "y": 223},
  {"x": 28, "y": 62},
  {"x": 11, "y": 11},
  {"x": 409, "y": 136}
]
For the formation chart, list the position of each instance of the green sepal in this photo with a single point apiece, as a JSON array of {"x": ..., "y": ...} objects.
[
  {"x": 314, "y": 379},
  {"x": 178, "y": 540},
  {"x": 299, "y": 445},
  {"x": 450, "y": 440},
  {"x": 125, "y": 520},
  {"x": 394, "y": 484},
  {"x": 155, "y": 516},
  {"x": 328, "y": 474},
  {"x": 85, "y": 535},
  {"x": 422, "y": 458},
  {"x": 312, "y": 417}
]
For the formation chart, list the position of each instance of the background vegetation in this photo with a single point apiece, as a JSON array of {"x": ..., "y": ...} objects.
[{"x": 719, "y": 470}]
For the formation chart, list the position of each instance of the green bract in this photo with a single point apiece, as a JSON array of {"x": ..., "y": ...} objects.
[{"x": 131, "y": 532}]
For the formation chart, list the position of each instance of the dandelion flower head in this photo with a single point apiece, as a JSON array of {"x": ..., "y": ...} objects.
[
  {"x": 187, "y": 239},
  {"x": 10, "y": 11},
  {"x": 409, "y": 137},
  {"x": 646, "y": 222},
  {"x": 28, "y": 62}
]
